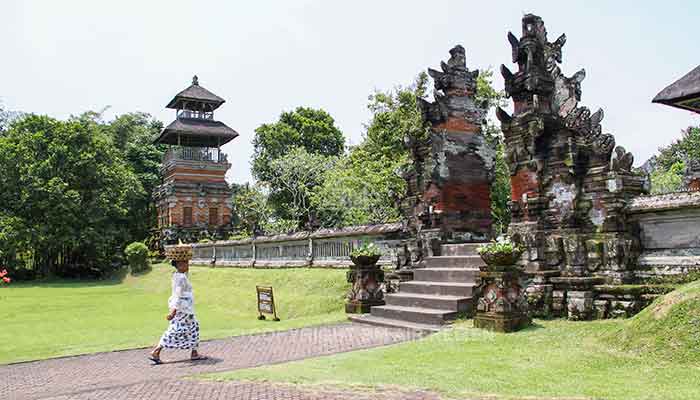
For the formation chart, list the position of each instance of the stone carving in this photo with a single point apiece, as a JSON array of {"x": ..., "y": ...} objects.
[
  {"x": 366, "y": 291},
  {"x": 622, "y": 162},
  {"x": 503, "y": 303},
  {"x": 569, "y": 190}
]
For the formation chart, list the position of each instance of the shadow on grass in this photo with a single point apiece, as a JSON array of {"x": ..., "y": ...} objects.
[{"x": 54, "y": 282}]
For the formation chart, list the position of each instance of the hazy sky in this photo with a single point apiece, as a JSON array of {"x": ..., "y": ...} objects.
[{"x": 65, "y": 57}]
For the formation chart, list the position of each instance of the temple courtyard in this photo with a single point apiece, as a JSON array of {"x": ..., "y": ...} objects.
[{"x": 313, "y": 352}]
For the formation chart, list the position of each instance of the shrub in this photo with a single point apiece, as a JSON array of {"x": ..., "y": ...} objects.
[{"x": 137, "y": 256}]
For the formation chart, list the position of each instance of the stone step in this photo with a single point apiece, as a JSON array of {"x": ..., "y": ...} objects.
[
  {"x": 451, "y": 303},
  {"x": 462, "y": 249},
  {"x": 437, "y": 288},
  {"x": 419, "y": 315},
  {"x": 394, "y": 323},
  {"x": 466, "y": 275},
  {"x": 454, "y": 262}
]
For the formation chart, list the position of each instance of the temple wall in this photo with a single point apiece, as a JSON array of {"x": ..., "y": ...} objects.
[
  {"x": 326, "y": 248},
  {"x": 669, "y": 230}
]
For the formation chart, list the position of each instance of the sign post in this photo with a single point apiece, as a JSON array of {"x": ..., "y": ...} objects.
[{"x": 266, "y": 302}]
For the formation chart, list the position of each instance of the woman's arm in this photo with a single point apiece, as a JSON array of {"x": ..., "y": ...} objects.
[{"x": 175, "y": 300}]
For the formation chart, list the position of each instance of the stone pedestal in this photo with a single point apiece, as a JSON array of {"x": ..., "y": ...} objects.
[
  {"x": 502, "y": 305},
  {"x": 366, "y": 290}
]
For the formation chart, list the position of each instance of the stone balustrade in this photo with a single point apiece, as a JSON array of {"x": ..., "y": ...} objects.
[{"x": 323, "y": 248}]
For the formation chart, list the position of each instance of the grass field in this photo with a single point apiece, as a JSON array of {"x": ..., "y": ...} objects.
[
  {"x": 48, "y": 319},
  {"x": 554, "y": 359}
]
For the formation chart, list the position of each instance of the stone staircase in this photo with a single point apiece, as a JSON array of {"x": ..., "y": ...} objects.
[{"x": 438, "y": 293}]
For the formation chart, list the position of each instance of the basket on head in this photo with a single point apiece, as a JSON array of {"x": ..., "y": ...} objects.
[{"x": 179, "y": 252}]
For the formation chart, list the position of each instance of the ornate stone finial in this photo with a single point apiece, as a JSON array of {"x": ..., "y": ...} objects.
[
  {"x": 195, "y": 80},
  {"x": 454, "y": 82},
  {"x": 454, "y": 75}
]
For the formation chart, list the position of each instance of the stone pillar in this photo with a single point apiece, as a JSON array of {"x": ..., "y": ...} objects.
[
  {"x": 502, "y": 305},
  {"x": 449, "y": 180}
]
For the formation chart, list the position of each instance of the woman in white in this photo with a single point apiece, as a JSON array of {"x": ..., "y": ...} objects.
[{"x": 183, "y": 331}]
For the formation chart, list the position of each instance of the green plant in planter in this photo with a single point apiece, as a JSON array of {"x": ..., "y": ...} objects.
[
  {"x": 366, "y": 249},
  {"x": 500, "y": 252},
  {"x": 366, "y": 254}
]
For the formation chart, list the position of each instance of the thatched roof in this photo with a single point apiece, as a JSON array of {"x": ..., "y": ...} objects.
[
  {"x": 195, "y": 97},
  {"x": 683, "y": 93},
  {"x": 197, "y": 132}
]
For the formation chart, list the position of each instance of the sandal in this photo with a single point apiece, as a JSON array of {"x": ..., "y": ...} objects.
[
  {"x": 199, "y": 358},
  {"x": 155, "y": 360}
]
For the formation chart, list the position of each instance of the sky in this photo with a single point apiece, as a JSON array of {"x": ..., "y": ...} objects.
[{"x": 62, "y": 58}]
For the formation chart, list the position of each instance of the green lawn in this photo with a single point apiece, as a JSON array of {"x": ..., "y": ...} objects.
[
  {"x": 554, "y": 359},
  {"x": 48, "y": 319}
]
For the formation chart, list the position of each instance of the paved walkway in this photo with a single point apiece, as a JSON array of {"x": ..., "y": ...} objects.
[{"x": 129, "y": 375}]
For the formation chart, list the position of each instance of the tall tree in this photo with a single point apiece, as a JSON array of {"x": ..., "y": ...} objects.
[
  {"x": 133, "y": 136},
  {"x": 64, "y": 195},
  {"x": 304, "y": 132},
  {"x": 293, "y": 177},
  {"x": 308, "y": 128}
]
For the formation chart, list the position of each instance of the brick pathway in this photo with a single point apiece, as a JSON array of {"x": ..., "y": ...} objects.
[
  {"x": 128, "y": 375},
  {"x": 182, "y": 389}
]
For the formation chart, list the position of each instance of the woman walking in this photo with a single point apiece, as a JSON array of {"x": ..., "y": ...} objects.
[{"x": 183, "y": 331}]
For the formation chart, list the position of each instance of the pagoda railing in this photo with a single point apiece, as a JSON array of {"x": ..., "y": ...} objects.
[
  {"x": 195, "y": 154},
  {"x": 195, "y": 114}
]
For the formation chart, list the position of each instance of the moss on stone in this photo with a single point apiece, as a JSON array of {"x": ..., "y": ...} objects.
[{"x": 634, "y": 290}]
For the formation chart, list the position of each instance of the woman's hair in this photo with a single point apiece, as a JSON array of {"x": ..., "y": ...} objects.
[{"x": 173, "y": 263}]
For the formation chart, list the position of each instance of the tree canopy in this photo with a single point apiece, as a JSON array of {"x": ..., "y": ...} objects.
[
  {"x": 669, "y": 165},
  {"x": 71, "y": 194},
  {"x": 311, "y": 129}
]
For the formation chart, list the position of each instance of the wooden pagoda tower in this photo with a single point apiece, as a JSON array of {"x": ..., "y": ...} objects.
[{"x": 194, "y": 200}]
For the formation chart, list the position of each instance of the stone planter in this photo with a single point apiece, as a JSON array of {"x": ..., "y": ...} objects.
[
  {"x": 502, "y": 304},
  {"x": 501, "y": 261},
  {"x": 366, "y": 291},
  {"x": 360, "y": 261}
]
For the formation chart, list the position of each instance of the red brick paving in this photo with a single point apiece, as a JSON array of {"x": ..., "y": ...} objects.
[
  {"x": 179, "y": 389},
  {"x": 129, "y": 375}
]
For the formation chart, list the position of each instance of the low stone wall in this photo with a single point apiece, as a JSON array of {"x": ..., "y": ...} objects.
[
  {"x": 669, "y": 230},
  {"x": 326, "y": 248}
]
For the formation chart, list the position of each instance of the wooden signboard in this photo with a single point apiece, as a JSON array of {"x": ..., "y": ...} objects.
[{"x": 266, "y": 302}]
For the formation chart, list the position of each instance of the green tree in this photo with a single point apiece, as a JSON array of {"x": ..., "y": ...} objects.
[
  {"x": 308, "y": 128},
  {"x": 64, "y": 195},
  {"x": 684, "y": 149},
  {"x": 365, "y": 187},
  {"x": 293, "y": 178},
  {"x": 667, "y": 180},
  {"x": 133, "y": 135},
  {"x": 251, "y": 209},
  {"x": 359, "y": 190}
]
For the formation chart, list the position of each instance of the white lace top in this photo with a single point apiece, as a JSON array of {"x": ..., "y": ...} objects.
[{"x": 181, "y": 298}]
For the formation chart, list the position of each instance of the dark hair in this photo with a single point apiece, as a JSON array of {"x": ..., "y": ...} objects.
[{"x": 173, "y": 263}]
